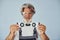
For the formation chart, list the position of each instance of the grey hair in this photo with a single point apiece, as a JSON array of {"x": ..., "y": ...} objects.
[{"x": 27, "y": 5}]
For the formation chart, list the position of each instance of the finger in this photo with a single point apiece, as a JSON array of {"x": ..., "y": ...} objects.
[
  {"x": 42, "y": 25},
  {"x": 39, "y": 23},
  {"x": 16, "y": 25},
  {"x": 17, "y": 22}
]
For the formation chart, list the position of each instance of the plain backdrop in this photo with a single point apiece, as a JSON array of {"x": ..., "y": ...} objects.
[{"x": 47, "y": 13}]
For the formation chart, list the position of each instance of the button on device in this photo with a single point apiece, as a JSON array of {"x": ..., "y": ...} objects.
[
  {"x": 22, "y": 24},
  {"x": 28, "y": 24},
  {"x": 33, "y": 24}
]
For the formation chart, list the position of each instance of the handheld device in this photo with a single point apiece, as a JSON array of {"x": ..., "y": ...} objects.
[{"x": 28, "y": 36}]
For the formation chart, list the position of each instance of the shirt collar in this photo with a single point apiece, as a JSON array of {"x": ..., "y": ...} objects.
[{"x": 24, "y": 20}]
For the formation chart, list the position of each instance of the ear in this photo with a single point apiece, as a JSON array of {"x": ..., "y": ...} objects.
[{"x": 33, "y": 14}]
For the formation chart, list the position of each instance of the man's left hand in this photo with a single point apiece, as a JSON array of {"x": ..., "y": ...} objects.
[{"x": 41, "y": 28}]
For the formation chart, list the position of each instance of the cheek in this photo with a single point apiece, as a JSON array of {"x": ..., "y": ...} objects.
[
  {"x": 30, "y": 15},
  {"x": 27, "y": 16}
]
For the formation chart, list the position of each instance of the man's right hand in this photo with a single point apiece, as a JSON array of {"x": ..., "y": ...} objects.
[{"x": 14, "y": 28}]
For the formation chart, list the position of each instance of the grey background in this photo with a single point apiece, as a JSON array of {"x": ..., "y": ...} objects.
[{"x": 47, "y": 12}]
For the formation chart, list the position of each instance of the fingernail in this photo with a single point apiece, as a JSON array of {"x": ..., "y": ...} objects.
[
  {"x": 39, "y": 23},
  {"x": 17, "y": 22}
]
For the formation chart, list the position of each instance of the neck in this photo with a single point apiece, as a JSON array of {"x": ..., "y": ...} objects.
[{"x": 27, "y": 20}]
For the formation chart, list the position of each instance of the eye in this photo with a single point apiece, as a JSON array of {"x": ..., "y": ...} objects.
[
  {"x": 30, "y": 13},
  {"x": 26, "y": 13}
]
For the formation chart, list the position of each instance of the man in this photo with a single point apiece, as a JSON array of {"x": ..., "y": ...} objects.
[{"x": 27, "y": 12}]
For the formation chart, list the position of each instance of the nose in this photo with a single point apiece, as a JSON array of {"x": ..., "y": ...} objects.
[{"x": 27, "y": 14}]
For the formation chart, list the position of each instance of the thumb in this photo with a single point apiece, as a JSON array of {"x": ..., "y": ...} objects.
[
  {"x": 39, "y": 23},
  {"x": 17, "y": 24}
]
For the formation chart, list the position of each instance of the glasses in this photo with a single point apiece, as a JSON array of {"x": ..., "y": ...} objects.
[{"x": 27, "y": 13}]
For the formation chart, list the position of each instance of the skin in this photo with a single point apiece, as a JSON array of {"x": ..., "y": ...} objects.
[{"x": 28, "y": 15}]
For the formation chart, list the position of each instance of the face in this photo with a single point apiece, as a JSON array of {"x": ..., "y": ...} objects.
[{"x": 27, "y": 13}]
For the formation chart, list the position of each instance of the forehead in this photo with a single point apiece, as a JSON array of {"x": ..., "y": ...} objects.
[{"x": 27, "y": 9}]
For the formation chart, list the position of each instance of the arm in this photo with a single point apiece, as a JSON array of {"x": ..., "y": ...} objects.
[
  {"x": 42, "y": 29},
  {"x": 13, "y": 29},
  {"x": 10, "y": 36},
  {"x": 44, "y": 36}
]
